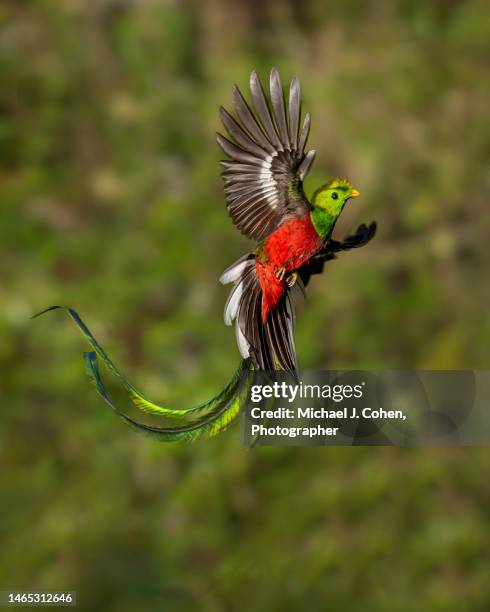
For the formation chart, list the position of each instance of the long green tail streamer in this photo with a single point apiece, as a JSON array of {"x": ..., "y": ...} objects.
[{"x": 220, "y": 411}]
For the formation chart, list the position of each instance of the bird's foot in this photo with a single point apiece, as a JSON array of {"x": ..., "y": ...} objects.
[
  {"x": 291, "y": 279},
  {"x": 280, "y": 272}
]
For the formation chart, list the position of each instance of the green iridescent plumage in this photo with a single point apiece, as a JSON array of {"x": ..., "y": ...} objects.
[
  {"x": 213, "y": 416},
  {"x": 214, "y": 422},
  {"x": 216, "y": 414},
  {"x": 263, "y": 178},
  {"x": 328, "y": 202}
]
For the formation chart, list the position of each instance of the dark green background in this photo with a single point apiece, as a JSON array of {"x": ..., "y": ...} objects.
[{"x": 111, "y": 202}]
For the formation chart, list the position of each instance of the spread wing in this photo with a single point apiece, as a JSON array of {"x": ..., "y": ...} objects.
[
  {"x": 264, "y": 175},
  {"x": 363, "y": 235}
]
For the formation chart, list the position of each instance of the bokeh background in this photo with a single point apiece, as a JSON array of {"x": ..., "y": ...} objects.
[{"x": 111, "y": 202}]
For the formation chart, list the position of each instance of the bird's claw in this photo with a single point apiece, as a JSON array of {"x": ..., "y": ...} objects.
[
  {"x": 280, "y": 272},
  {"x": 291, "y": 279}
]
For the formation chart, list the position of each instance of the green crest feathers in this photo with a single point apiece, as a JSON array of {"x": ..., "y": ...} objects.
[{"x": 336, "y": 183}]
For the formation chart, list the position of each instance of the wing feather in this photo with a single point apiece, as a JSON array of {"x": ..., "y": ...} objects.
[
  {"x": 277, "y": 98},
  {"x": 305, "y": 165},
  {"x": 305, "y": 132},
  {"x": 262, "y": 110},
  {"x": 236, "y": 152},
  {"x": 240, "y": 136},
  {"x": 294, "y": 112},
  {"x": 267, "y": 164},
  {"x": 247, "y": 118}
]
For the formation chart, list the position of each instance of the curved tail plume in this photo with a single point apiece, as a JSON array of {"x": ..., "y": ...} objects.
[
  {"x": 216, "y": 414},
  {"x": 213, "y": 416}
]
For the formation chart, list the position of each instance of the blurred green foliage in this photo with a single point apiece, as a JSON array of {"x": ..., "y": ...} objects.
[{"x": 111, "y": 202}]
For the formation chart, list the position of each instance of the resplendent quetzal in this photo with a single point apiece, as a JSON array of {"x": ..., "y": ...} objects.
[{"x": 264, "y": 189}]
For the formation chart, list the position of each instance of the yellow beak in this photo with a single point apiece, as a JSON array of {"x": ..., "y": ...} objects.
[{"x": 354, "y": 193}]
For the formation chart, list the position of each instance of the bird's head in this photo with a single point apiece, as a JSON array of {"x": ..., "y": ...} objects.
[{"x": 332, "y": 196}]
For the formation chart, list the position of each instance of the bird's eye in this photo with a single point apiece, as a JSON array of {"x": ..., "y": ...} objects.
[{"x": 334, "y": 195}]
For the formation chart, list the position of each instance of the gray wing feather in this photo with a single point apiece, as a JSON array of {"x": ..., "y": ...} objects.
[
  {"x": 305, "y": 165},
  {"x": 277, "y": 98},
  {"x": 240, "y": 136},
  {"x": 262, "y": 109},
  {"x": 236, "y": 152},
  {"x": 294, "y": 112},
  {"x": 250, "y": 123},
  {"x": 305, "y": 130},
  {"x": 267, "y": 164}
]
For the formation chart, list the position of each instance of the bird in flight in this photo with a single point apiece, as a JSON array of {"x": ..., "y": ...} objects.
[{"x": 263, "y": 177}]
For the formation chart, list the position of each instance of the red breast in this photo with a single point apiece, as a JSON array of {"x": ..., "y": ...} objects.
[{"x": 290, "y": 246}]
